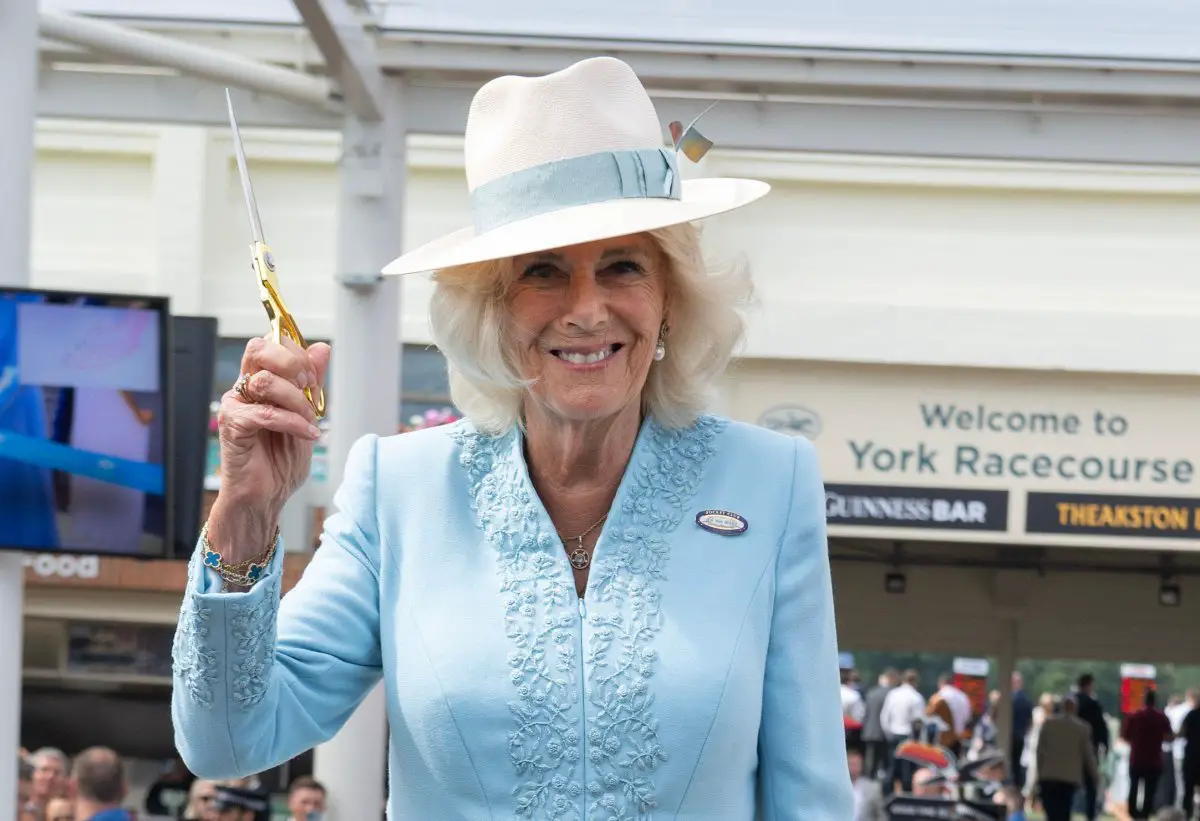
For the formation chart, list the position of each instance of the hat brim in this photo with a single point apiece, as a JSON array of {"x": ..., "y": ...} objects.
[{"x": 584, "y": 223}]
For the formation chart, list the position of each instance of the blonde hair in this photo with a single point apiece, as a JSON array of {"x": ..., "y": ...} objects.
[{"x": 470, "y": 323}]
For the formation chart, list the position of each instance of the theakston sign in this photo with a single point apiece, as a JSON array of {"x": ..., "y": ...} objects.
[{"x": 1038, "y": 458}]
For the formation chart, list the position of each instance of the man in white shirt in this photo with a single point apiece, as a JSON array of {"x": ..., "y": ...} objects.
[
  {"x": 960, "y": 704},
  {"x": 901, "y": 715},
  {"x": 1175, "y": 714},
  {"x": 853, "y": 707}
]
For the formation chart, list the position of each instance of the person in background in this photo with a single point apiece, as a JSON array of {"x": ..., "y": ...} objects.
[
  {"x": 200, "y": 801},
  {"x": 1165, "y": 794},
  {"x": 169, "y": 794},
  {"x": 874, "y": 737},
  {"x": 1013, "y": 799},
  {"x": 1145, "y": 731},
  {"x": 50, "y": 776},
  {"x": 921, "y": 788},
  {"x": 1170, "y": 814},
  {"x": 238, "y": 804},
  {"x": 1064, "y": 757},
  {"x": 1022, "y": 723},
  {"x": 59, "y": 809},
  {"x": 1046, "y": 707},
  {"x": 853, "y": 710},
  {"x": 951, "y": 709},
  {"x": 26, "y": 811},
  {"x": 868, "y": 797},
  {"x": 306, "y": 800},
  {"x": 98, "y": 786},
  {"x": 985, "y": 738},
  {"x": 253, "y": 785},
  {"x": 1176, "y": 714},
  {"x": 902, "y": 711},
  {"x": 1189, "y": 734},
  {"x": 1091, "y": 712}
]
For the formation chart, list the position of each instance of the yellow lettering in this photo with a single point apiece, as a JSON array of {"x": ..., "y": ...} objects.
[
  {"x": 1064, "y": 508},
  {"x": 1127, "y": 517}
]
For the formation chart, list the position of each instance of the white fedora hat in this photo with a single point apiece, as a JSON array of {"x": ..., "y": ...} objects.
[{"x": 570, "y": 157}]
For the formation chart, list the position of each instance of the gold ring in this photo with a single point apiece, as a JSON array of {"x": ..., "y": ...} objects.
[{"x": 240, "y": 388}]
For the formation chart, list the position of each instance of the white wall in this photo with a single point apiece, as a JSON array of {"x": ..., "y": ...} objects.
[{"x": 856, "y": 258}]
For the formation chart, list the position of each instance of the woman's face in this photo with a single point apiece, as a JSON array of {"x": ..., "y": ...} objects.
[{"x": 587, "y": 320}]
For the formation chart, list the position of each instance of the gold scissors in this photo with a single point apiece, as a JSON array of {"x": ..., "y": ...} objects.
[{"x": 283, "y": 324}]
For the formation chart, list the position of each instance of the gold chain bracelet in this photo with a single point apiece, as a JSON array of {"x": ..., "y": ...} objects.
[{"x": 245, "y": 573}]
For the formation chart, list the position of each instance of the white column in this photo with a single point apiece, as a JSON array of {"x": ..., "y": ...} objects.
[
  {"x": 365, "y": 396},
  {"x": 185, "y": 166},
  {"x": 18, "y": 67}
]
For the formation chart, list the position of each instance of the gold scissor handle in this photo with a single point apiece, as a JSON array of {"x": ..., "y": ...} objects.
[{"x": 283, "y": 324}]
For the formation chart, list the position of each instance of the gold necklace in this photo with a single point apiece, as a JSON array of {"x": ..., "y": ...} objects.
[{"x": 579, "y": 557}]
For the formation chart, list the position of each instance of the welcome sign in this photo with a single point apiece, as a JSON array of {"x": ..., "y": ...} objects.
[{"x": 962, "y": 454}]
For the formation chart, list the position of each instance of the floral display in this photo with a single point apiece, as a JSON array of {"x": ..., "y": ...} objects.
[{"x": 430, "y": 419}]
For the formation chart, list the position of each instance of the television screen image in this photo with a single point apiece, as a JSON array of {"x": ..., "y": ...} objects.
[{"x": 83, "y": 423}]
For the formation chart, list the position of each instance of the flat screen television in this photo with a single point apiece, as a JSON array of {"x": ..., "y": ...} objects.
[{"x": 85, "y": 433}]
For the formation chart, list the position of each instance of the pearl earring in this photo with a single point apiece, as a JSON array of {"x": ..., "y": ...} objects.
[{"x": 660, "y": 350}]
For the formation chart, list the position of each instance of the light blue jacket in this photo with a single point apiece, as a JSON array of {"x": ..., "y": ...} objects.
[{"x": 697, "y": 680}]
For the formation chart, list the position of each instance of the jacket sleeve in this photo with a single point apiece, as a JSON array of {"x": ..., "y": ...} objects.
[
  {"x": 258, "y": 681},
  {"x": 803, "y": 772}
]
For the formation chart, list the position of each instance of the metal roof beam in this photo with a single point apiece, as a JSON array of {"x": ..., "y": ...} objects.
[
  {"x": 711, "y": 67},
  {"x": 1059, "y": 134},
  {"x": 868, "y": 127},
  {"x": 341, "y": 34},
  {"x": 215, "y": 65},
  {"x": 168, "y": 98}
]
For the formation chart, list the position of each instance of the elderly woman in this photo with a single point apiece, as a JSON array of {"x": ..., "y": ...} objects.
[{"x": 588, "y": 600}]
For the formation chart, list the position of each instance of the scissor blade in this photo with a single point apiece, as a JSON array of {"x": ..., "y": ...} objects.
[{"x": 247, "y": 190}]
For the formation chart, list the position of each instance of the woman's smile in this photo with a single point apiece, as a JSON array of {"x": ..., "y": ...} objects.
[{"x": 587, "y": 357}]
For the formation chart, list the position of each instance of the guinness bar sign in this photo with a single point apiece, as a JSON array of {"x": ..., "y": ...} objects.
[{"x": 916, "y": 507}]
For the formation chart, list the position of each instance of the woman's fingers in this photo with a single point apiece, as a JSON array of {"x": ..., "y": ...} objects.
[
  {"x": 240, "y": 418},
  {"x": 267, "y": 388},
  {"x": 289, "y": 362}
]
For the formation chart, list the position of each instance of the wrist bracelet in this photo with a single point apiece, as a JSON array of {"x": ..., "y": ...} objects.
[{"x": 245, "y": 573}]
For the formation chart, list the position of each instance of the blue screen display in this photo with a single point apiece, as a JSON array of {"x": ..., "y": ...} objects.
[{"x": 83, "y": 431}]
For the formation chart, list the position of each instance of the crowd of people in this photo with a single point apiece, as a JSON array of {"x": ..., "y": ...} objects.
[
  {"x": 1066, "y": 755},
  {"x": 94, "y": 787}
]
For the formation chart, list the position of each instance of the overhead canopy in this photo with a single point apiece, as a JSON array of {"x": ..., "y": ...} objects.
[
  {"x": 1146, "y": 30},
  {"x": 1067, "y": 80}
]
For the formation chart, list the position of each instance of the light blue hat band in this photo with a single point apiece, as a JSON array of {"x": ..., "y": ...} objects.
[{"x": 552, "y": 186}]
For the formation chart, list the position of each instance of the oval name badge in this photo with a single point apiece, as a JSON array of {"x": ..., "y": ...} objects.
[{"x": 723, "y": 522}]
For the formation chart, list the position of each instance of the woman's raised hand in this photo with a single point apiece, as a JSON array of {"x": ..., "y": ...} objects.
[{"x": 267, "y": 427}]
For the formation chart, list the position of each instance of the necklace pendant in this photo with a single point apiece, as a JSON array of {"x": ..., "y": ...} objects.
[{"x": 580, "y": 558}]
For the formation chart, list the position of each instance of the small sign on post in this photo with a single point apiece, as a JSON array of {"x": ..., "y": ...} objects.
[
  {"x": 970, "y": 676},
  {"x": 1136, "y": 681}
]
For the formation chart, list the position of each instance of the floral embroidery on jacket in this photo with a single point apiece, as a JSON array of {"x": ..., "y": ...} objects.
[
  {"x": 253, "y": 633},
  {"x": 194, "y": 662},
  {"x": 621, "y": 746}
]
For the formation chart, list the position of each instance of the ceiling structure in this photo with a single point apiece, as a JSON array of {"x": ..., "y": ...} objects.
[{"x": 1066, "y": 81}]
